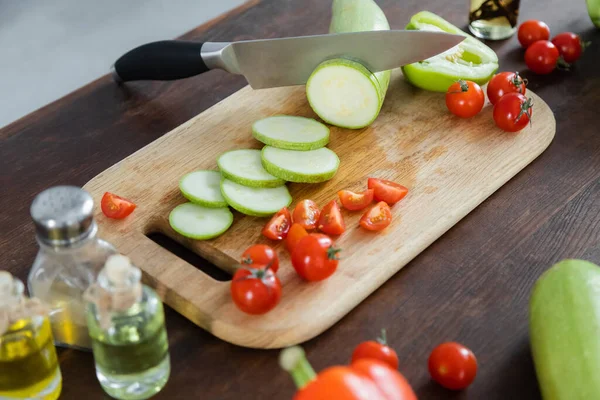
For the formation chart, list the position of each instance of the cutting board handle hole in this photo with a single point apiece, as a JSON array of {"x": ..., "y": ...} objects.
[{"x": 189, "y": 256}]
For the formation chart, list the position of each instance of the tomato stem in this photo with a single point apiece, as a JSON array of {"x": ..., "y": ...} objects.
[
  {"x": 333, "y": 253},
  {"x": 383, "y": 338},
  {"x": 293, "y": 360},
  {"x": 525, "y": 109}
]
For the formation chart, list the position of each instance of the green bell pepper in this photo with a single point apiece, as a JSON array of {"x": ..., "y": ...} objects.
[{"x": 470, "y": 60}]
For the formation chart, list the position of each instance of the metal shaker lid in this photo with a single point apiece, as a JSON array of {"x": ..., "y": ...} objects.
[{"x": 63, "y": 215}]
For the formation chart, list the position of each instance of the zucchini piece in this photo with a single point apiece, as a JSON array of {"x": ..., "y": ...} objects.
[
  {"x": 470, "y": 60},
  {"x": 564, "y": 328},
  {"x": 245, "y": 167},
  {"x": 259, "y": 202},
  {"x": 344, "y": 92},
  {"x": 301, "y": 166},
  {"x": 201, "y": 223},
  {"x": 292, "y": 133},
  {"x": 203, "y": 188}
]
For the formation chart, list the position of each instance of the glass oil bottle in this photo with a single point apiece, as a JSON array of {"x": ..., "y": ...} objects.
[
  {"x": 127, "y": 325},
  {"x": 28, "y": 363},
  {"x": 68, "y": 262}
]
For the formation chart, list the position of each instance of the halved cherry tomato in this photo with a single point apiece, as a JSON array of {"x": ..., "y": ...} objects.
[
  {"x": 355, "y": 201},
  {"x": 503, "y": 83},
  {"x": 541, "y": 57},
  {"x": 465, "y": 99},
  {"x": 452, "y": 365},
  {"x": 378, "y": 350},
  {"x": 279, "y": 225},
  {"x": 331, "y": 220},
  {"x": 260, "y": 255},
  {"x": 306, "y": 214},
  {"x": 569, "y": 46},
  {"x": 315, "y": 258},
  {"x": 377, "y": 218},
  {"x": 296, "y": 233},
  {"x": 388, "y": 191},
  {"x": 531, "y": 31},
  {"x": 116, "y": 207},
  {"x": 255, "y": 290},
  {"x": 512, "y": 112}
]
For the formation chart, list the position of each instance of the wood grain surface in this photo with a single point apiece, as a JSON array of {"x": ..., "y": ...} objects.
[
  {"x": 472, "y": 285},
  {"x": 450, "y": 165}
]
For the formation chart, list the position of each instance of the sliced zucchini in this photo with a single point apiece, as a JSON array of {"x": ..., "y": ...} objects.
[
  {"x": 203, "y": 187},
  {"x": 301, "y": 166},
  {"x": 292, "y": 133},
  {"x": 259, "y": 202},
  {"x": 245, "y": 167},
  {"x": 201, "y": 223}
]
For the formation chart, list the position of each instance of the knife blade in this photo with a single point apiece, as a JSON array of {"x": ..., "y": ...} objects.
[{"x": 280, "y": 62}]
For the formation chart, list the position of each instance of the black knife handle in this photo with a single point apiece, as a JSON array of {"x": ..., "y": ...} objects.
[{"x": 166, "y": 60}]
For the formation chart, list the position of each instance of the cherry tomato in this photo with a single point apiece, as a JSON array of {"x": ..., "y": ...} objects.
[
  {"x": 116, "y": 207},
  {"x": 513, "y": 112},
  {"x": 296, "y": 233},
  {"x": 279, "y": 225},
  {"x": 315, "y": 258},
  {"x": 541, "y": 57},
  {"x": 331, "y": 221},
  {"x": 377, "y": 218},
  {"x": 388, "y": 191},
  {"x": 464, "y": 99},
  {"x": 452, "y": 365},
  {"x": 378, "y": 350},
  {"x": 356, "y": 201},
  {"x": 261, "y": 255},
  {"x": 503, "y": 83},
  {"x": 306, "y": 214},
  {"x": 255, "y": 290},
  {"x": 569, "y": 46},
  {"x": 531, "y": 31}
]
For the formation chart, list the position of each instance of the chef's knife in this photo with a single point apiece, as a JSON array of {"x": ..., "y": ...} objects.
[{"x": 280, "y": 62}]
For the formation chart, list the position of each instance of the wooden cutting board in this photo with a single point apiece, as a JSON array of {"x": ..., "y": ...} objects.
[{"x": 450, "y": 166}]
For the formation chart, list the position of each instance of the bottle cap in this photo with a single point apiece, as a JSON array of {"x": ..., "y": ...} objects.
[{"x": 63, "y": 215}]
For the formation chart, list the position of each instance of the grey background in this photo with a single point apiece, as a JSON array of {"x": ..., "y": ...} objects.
[{"x": 48, "y": 48}]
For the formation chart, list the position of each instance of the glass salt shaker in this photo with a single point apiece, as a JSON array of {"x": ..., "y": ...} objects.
[
  {"x": 126, "y": 322},
  {"x": 28, "y": 363},
  {"x": 69, "y": 260}
]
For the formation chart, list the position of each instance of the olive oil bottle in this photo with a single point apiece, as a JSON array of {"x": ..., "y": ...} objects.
[
  {"x": 127, "y": 326},
  {"x": 28, "y": 363}
]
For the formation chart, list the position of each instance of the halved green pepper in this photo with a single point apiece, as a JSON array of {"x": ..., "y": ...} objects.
[{"x": 470, "y": 60}]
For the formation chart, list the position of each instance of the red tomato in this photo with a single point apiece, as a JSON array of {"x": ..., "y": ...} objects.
[
  {"x": 315, "y": 258},
  {"x": 452, "y": 365},
  {"x": 261, "y": 255},
  {"x": 541, "y": 57},
  {"x": 531, "y": 31},
  {"x": 116, "y": 207},
  {"x": 569, "y": 46},
  {"x": 356, "y": 201},
  {"x": 331, "y": 221},
  {"x": 388, "y": 191},
  {"x": 377, "y": 218},
  {"x": 296, "y": 233},
  {"x": 306, "y": 214},
  {"x": 279, "y": 225},
  {"x": 255, "y": 290},
  {"x": 378, "y": 350},
  {"x": 464, "y": 99},
  {"x": 513, "y": 112},
  {"x": 503, "y": 83}
]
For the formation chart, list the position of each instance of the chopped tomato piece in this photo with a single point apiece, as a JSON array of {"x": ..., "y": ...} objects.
[
  {"x": 279, "y": 225},
  {"x": 331, "y": 220},
  {"x": 388, "y": 191},
  {"x": 377, "y": 218},
  {"x": 306, "y": 214},
  {"x": 296, "y": 233},
  {"x": 356, "y": 201},
  {"x": 116, "y": 207}
]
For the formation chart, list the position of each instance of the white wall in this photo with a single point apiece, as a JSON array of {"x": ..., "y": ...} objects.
[{"x": 48, "y": 48}]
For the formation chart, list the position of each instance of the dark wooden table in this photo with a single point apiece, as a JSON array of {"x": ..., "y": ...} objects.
[{"x": 471, "y": 286}]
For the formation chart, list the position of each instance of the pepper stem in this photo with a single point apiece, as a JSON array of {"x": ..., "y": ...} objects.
[{"x": 293, "y": 360}]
